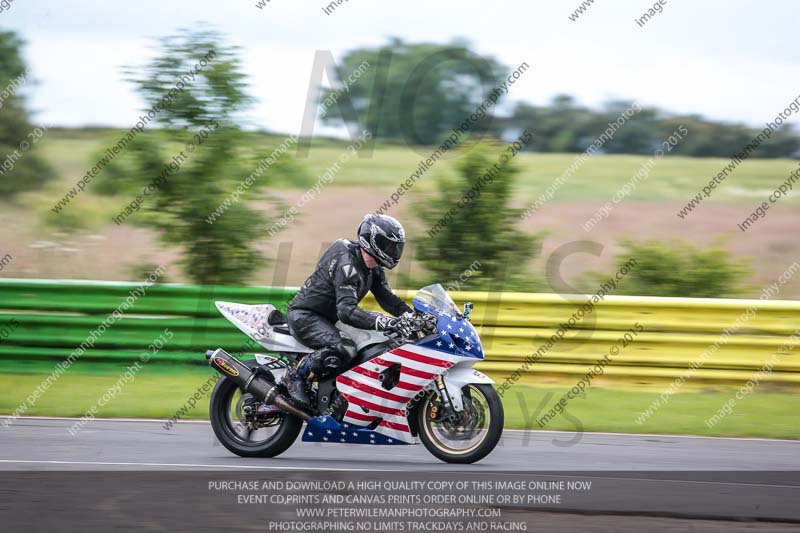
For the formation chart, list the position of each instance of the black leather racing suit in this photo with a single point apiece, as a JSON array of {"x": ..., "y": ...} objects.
[{"x": 333, "y": 292}]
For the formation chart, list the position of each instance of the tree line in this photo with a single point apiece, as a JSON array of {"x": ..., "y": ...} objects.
[{"x": 417, "y": 92}]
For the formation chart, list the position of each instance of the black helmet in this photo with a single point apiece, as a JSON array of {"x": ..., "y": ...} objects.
[{"x": 383, "y": 238}]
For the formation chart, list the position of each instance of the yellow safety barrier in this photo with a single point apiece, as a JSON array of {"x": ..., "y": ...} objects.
[{"x": 702, "y": 339}]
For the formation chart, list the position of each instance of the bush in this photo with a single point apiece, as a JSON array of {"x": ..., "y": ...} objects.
[
  {"x": 680, "y": 269},
  {"x": 470, "y": 220}
]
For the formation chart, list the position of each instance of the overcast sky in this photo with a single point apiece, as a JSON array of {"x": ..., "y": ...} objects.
[{"x": 734, "y": 60}]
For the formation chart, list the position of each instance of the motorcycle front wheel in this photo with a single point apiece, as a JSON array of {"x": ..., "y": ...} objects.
[
  {"x": 245, "y": 434},
  {"x": 468, "y": 436}
]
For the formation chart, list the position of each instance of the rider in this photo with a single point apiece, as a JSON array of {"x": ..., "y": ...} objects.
[{"x": 345, "y": 273}]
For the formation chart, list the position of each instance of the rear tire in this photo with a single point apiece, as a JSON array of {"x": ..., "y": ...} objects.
[
  {"x": 435, "y": 435},
  {"x": 222, "y": 423}
]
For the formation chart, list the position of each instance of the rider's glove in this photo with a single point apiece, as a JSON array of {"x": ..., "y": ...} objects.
[{"x": 390, "y": 324}]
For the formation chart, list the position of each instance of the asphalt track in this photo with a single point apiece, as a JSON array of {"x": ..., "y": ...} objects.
[
  {"x": 641, "y": 482},
  {"x": 45, "y": 444}
]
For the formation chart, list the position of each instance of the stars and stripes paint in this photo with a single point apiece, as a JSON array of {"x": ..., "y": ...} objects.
[
  {"x": 327, "y": 429},
  {"x": 368, "y": 400},
  {"x": 457, "y": 335}
]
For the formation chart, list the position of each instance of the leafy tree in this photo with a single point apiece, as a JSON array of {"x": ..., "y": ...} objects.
[
  {"x": 20, "y": 169},
  {"x": 428, "y": 89},
  {"x": 680, "y": 269},
  {"x": 480, "y": 229},
  {"x": 218, "y": 252},
  {"x": 639, "y": 135}
]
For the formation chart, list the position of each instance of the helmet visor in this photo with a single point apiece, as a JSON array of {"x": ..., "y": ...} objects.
[{"x": 392, "y": 249}]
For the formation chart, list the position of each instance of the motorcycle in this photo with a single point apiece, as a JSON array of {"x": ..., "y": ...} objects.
[{"x": 415, "y": 383}]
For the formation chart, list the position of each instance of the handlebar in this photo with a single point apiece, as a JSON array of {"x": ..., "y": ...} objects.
[{"x": 416, "y": 323}]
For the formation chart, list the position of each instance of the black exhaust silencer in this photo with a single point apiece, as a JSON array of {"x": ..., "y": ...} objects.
[{"x": 250, "y": 381}]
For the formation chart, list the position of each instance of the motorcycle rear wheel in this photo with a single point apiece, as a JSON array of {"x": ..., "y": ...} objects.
[
  {"x": 475, "y": 432},
  {"x": 227, "y": 421}
]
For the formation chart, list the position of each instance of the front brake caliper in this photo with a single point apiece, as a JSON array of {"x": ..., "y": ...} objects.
[{"x": 437, "y": 410}]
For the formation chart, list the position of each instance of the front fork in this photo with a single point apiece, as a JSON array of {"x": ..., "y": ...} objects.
[
  {"x": 449, "y": 388},
  {"x": 446, "y": 408}
]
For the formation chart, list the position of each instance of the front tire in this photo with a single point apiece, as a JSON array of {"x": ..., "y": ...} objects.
[
  {"x": 228, "y": 424},
  {"x": 470, "y": 438}
]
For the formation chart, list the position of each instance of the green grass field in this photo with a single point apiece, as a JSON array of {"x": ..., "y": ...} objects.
[
  {"x": 672, "y": 178},
  {"x": 159, "y": 395}
]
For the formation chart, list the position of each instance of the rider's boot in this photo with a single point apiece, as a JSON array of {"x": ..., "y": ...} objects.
[{"x": 297, "y": 377}]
